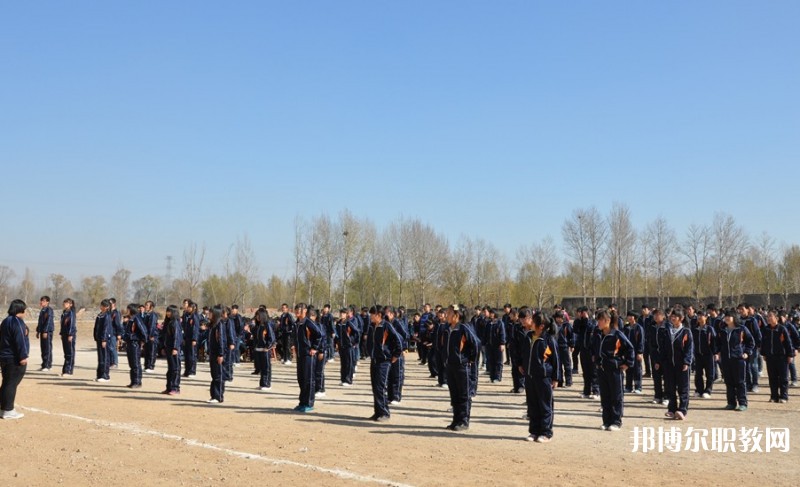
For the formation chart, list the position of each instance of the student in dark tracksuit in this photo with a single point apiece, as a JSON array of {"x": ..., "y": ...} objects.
[
  {"x": 173, "y": 344},
  {"x": 538, "y": 360},
  {"x": 749, "y": 321},
  {"x": 613, "y": 354},
  {"x": 496, "y": 341},
  {"x": 461, "y": 351},
  {"x": 565, "y": 344},
  {"x": 778, "y": 350},
  {"x": 705, "y": 348},
  {"x": 322, "y": 358},
  {"x": 328, "y": 329},
  {"x": 588, "y": 330},
  {"x": 286, "y": 332},
  {"x": 191, "y": 334},
  {"x": 514, "y": 335},
  {"x": 397, "y": 371},
  {"x": 791, "y": 327},
  {"x": 135, "y": 336},
  {"x": 265, "y": 340},
  {"x": 675, "y": 355},
  {"x": 308, "y": 340},
  {"x": 651, "y": 342},
  {"x": 229, "y": 325},
  {"x": 346, "y": 329},
  {"x": 150, "y": 319},
  {"x": 217, "y": 351},
  {"x": 14, "y": 351},
  {"x": 102, "y": 336},
  {"x": 69, "y": 335},
  {"x": 116, "y": 335},
  {"x": 427, "y": 340},
  {"x": 635, "y": 334},
  {"x": 44, "y": 332},
  {"x": 734, "y": 345},
  {"x": 385, "y": 348},
  {"x": 441, "y": 349},
  {"x": 473, "y": 366},
  {"x": 646, "y": 322}
]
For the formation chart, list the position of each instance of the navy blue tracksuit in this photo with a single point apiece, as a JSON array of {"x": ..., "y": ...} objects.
[
  {"x": 495, "y": 333},
  {"x": 383, "y": 346},
  {"x": 565, "y": 340},
  {"x": 348, "y": 336},
  {"x": 777, "y": 349},
  {"x": 229, "y": 326},
  {"x": 513, "y": 341},
  {"x": 264, "y": 339},
  {"x": 308, "y": 340},
  {"x": 539, "y": 360},
  {"x": 590, "y": 380},
  {"x": 633, "y": 376},
  {"x": 135, "y": 336},
  {"x": 150, "y": 320},
  {"x": 397, "y": 372},
  {"x": 118, "y": 330},
  {"x": 705, "y": 348},
  {"x": 218, "y": 347},
  {"x": 102, "y": 335},
  {"x": 676, "y": 351},
  {"x": 69, "y": 336},
  {"x": 173, "y": 343},
  {"x": 461, "y": 348},
  {"x": 732, "y": 344},
  {"x": 441, "y": 351},
  {"x": 319, "y": 365},
  {"x": 651, "y": 344},
  {"x": 610, "y": 352},
  {"x": 45, "y": 330},
  {"x": 751, "y": 372},
  {"x": 191, "y": 334}
]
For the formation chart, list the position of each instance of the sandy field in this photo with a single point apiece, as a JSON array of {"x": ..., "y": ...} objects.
[{"x": 79, "y": 432}]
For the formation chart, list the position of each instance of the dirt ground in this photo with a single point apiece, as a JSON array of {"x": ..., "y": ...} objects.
[{"x": 78, "y": 432}]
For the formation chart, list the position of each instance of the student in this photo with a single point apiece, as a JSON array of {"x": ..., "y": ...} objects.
[
  {"x": 116, "y": 335},
  {"x": 777, "y": 350},
  {"x": 635, "y": 334},
  {"x": 135, "y": 338},
  {"x": 417, "y": 327},
  {"x": 237, "y": 323},
  {"x": 313, "y": 315},
  {"x": 286, "y": 325},
  {"x": 734, "y": 345},
  {"x": 427, "y": 339},
  {"x": 191, "y": 334},
  {"x": 347, "y": 338},
  {"x": 496, "y": 341},
  {"x": 565, "y": 343},
  {"x": 461, "y": 351},
  {"x": 173, "y": 343},
  {"x": 652, "y": 343},
  {"x": 473, "y": 366},
  {"x": 44, "y": 332},
  {"x": 397, "y": 372},
  {"x": 587, "y": 331},
  {"x": 674, "y": 359},
  {"x": 705, "y": 348},
  {"x": 613, "y": 355},
  {"x": 307, "y": 344},
  {"x": 69, "y": 334},
  {"x": 385, "y": 348},
  {"x": 516, "y": 337},
  {"x": 646, "y": 322},
  {"x": 441, "y": 347},
  {"x": 264, "y": 340},
  {"x": 102, "y": 337},
  {"x": 791, "y": 327},
  {"x": 749, "y": 321},
  {"x": 229, "y": 326},
  {"x": 326, "y": 326},
  {"x": 217, "y": 351},
  {"x": 14, "y": 350},
  {"x": 539, "y": 363},
  {"x": 150, "y": 320}
]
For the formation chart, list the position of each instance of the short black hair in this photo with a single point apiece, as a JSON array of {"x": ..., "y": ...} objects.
[
  {"x": 105, "y": 303},
  {"x": 16, "y": 307},
  {"x": 45, "y": 298}
]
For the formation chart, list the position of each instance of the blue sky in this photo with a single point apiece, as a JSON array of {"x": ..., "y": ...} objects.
[{"x": 130, "y": 129}]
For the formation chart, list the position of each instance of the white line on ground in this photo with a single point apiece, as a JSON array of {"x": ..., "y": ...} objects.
[{"x": 133, "y": 429}]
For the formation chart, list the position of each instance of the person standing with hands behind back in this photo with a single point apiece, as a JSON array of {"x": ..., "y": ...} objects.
[
  {"x": 44, "y": 332},
  {"x": 14, "y": 349}
]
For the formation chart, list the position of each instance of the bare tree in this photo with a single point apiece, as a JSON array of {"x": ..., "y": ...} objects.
[
  {"x": 147, "y": 288},
  {"x": 696, "y": 248},
  {"x": 428, "y": 255},
  {"x": 192, "y": 274},
  {"x": 94, "y": 289},
  {"x": 27, "y": 287},
  {"x": 6, "y": 275},
  {"x": 621, "y": 242},
  {"x": 456, "y": 272},
  {"x": 120, "y": 284},
  {"x": 485, "y": 269},
  {"x": 357, "y": 238},
  {"x": 396, "y": 241},
  {"x": 728, "y": 241},
  {"x": 328, "y": 235},
  {"x": 576, "y": 245},
  {"x": 241, "y": 270},
  {"x": 663, "y": 240},
  {"x": 538, "y": 269},
  {"x": 766, "y": 256},
  {"x": 60, "y": 287}
]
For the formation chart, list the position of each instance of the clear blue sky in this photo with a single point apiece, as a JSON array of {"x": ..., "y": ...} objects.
[{"x": 130, "y": 129}]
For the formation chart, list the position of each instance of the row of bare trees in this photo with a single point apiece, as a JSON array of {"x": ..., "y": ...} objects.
[{"x": 346, "y": 259}]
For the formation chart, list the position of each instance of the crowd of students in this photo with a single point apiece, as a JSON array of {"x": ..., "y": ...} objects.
[{"x": 544, "y": 352}]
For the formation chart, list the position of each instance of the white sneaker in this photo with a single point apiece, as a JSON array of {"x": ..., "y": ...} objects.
[
  {"x": 530, "y": 438},
  {"x": 148, "y": 371},
  {"x": 613, "y": 427},
  {"x": 289, "y": 362},
  {"x": 604, "y": 427},
  {"x": 394, "y": 403},
  {"x": 319, "y": 394},
  {"x": 44, "y": 369},
  {"x": 12, "y": 414},
  {"x": 542, "y": 439},
  {"x": 191, "y": 376},
  {"x": 637, "y": 391},
  {"x": 706, "y": 395},
  {"x": 445, "y": 386},
  {"x": 212, "y": 401},
  {"x": 102, "y": 380},
  {"x": 665, "y": 402},
  {"x": 347, "y": 384},
  {"x": 264, "y": 388}
]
